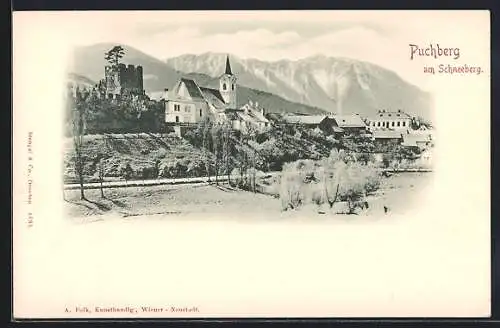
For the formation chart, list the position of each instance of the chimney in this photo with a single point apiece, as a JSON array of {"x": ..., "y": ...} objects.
[{"x": 165, "y": 94}]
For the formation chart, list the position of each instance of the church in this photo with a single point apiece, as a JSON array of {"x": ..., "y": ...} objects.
[{"x": 188, "y": 103}]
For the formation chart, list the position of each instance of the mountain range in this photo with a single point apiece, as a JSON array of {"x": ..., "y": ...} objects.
[{"x": 311, "y": 85}]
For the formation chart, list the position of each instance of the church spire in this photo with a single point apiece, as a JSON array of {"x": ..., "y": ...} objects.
[{"x": 228, "y": 66}]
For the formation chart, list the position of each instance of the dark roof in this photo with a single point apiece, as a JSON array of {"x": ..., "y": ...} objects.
[
  {"x": 192, "y": 88},
  {"x": 228, "y": 66},
  {"x": 213, "y": 96},
  {"x": 304, "y": 119}
]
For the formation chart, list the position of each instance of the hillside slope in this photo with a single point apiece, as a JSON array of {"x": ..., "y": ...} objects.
[{"x": 168, "y": 156}]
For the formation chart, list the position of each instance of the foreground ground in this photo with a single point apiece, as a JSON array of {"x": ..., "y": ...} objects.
[
  {"x": 398, "y": 193},
  {"x": 258, "y": 261}
]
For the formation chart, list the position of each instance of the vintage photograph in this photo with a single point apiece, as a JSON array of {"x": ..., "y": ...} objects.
[
  {"x": 215, "y": 132},
  {"x": 233, "y": 164}
]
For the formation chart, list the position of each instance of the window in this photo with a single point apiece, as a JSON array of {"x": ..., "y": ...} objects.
[
  {"x": 399, "y": 123},
  {"x": 224, "y": 86},
  {"x": 177, "y": 108},
  {"x": 177, "y": 119},
  {"x": 404, "y": 123},
  {"x": 232, "y": 87},
  {"x": 186, "y": 109},
  {"x": 393, "y": 123},
  {"x": 378, "y": 124},
  {"x": 200, "y": 112}
]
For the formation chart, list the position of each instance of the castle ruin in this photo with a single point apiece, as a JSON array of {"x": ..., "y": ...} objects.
[{"x": 122, "y": 80}]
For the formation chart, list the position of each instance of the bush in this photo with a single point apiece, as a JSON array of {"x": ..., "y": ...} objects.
[
  {"x": 336, "y": 178},
  {"x": 299, "y": 183}
]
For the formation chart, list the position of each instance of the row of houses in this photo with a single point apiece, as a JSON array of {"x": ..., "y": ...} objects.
[
  {"x": 188, "y": 103},
  {"x": 398, "y": 130}
]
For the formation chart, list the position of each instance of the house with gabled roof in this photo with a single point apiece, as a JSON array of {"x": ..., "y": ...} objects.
[
  {"x": 387, "y": 136},
  {"x": 188, "y": 103},
  {"x": 352, "y": 123},
  {"x": 249, "y": 117},
  {"x": 323, "y": 122},
  {"x": 312, "y": 121}
]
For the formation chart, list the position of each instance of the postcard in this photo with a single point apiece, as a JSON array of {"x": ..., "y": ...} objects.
[{"x": 261, "y": 164}]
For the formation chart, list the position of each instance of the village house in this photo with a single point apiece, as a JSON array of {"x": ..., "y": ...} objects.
[
  {"x": 249, "y": 117},
  {"x": 387, "y": 137},
  {"x": 350, "y": 124},
  {"x": 188, "y": 103},
  {"x": 309, "y": 121},
  {"x": 389, "y": 120},
  {"x": 323, "y": 122}
]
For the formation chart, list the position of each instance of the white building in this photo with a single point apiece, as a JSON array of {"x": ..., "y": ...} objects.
[
  {"x": 189, "y": 103},
  {"x": 389, "y": 120}
]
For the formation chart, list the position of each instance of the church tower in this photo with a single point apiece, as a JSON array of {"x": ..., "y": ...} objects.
[{"x": 227, "y": 86}]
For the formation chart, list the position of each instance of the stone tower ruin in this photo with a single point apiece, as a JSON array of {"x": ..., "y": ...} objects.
[{"x": 123, "y": 80}]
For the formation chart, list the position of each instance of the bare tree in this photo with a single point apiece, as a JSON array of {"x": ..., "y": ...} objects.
[
  {"x": 100, "y": 172},
  {"x": 252, "y": 136},
  {"x": 215, "y": 133},
  {"x": 206, "y": 135},
  {"x": 226, "y": 148},
  {"x": 334, "y": 169},
  {"x": 80, "y": 102}
]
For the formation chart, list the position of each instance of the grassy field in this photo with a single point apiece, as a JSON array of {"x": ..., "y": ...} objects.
[{"x": 398, "y": 193}]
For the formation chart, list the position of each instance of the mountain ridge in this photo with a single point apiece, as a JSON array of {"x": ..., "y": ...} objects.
[
  {"x": 319, "y": 84},
  {"x": 336, "y": 84}
]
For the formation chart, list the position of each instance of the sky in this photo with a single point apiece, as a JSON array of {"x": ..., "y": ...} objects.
[{"x": 379, "y": 37}]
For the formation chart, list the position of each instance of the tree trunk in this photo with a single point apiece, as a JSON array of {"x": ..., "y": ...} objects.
[
  {"x": 102, "y": 190},
  {"x": 216, "y": 170},
  {"x": 254, "y": 172},
  {"x": 82, "y": 192},
  {"x": 228, "y": 172}
]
